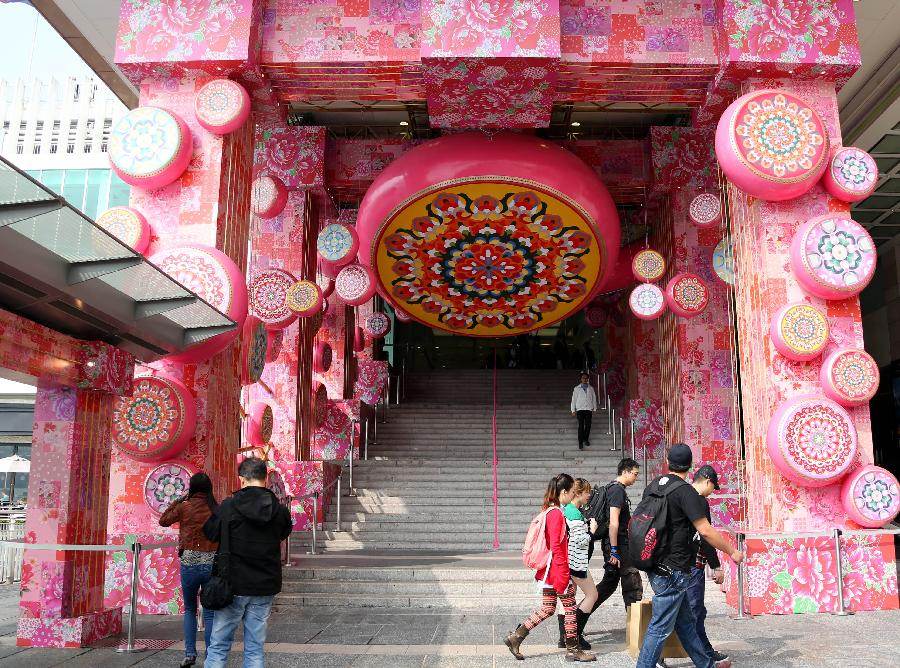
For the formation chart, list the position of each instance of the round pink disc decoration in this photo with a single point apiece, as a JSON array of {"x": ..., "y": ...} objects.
[
  {"x": 322, "y": 356},
  {"x": 157, "y": 421},
  {"x": 276, "y": 341},
  {"x": 254, "y": 344},
  {"x": 355, "y": 284},
  {"x": 833, "y": 257},
  {"x": 377, "y": 325},
  {"x": 772, "y": 145},
  {"x": 338, "y": 244},
  {"x": 268, "y": 297},
  {"x": 799, "y": 331},
  {"x": 595, "y": 316},
  {"x": 852, "y": 174},
  {"x": 150, "y": 147},
  {"x": 687, "y": 295},
  {"x": 812, "y": 441},
  {"x": 871, "y": 496},
  {"x": 260, "y": 423},
  {"x": 222, "y": 106},
  {"x": 304, "y": 298},
  {"x": 213, "y": 276},
  {"x": 128, "y": 226},
  {"x": 269, "y": 197},
  {"x": 705, "y": 210},
  {"x": 648, "y": 265},
  {"x": 320, "y": 404},
  {"x": 647, "y": 301},
  {"x": 167, "y": 483},
  {"x": 359, "y": 339},
  {"x": 849, "y": 376}
]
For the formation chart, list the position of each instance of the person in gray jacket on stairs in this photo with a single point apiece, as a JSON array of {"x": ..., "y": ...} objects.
[{"x": 584, "y": 403}]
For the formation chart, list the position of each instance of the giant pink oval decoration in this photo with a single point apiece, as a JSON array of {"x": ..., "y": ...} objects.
[
  {"x": 254, "y": 345},
  {"x": 871, "y": 496},
  {"x": 771, "y": 144},
  {"x": 268, "y": 292},
  {"x": 222, "y": 106},
  {"x": 166, "y": 484},
  {"x": 150, "y": 147},
  {"x": 337, "y": 244},
  {"x": 687, "y": 295},
  {"x": 647, "y": 301},
  {"x": 377, "y": 325},
  {"x": 833, "y": 257},
  {"x": 852, "y": 174},
  {"x": 215, "y": 278},
  {"x": 705, "y": 210},
  {"x": 322, "y": 355},
  {"x": 799, "y": 331},
  {"x": 128, "y": 225},
  {"x": 269, "y": 196},
  {"x": 849, "y": 376},
  {"x": 157, "y": 421},
  {"x": 355, "y": 284},
  {"x": 260, "y": 423},
  {"x": 812, "y": 441}
]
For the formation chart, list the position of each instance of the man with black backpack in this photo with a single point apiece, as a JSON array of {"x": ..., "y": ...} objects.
[{"x": 661, "y": 542}]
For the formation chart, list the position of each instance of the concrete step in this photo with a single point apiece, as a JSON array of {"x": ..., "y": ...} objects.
[
  {"x": 379, "y": 588},
  {"x": 288, "y": 603}
]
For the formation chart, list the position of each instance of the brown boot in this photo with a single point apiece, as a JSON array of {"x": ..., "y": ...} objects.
[
  {"x": 575, "y": 653},
  {"x": 514, "y": 640}
]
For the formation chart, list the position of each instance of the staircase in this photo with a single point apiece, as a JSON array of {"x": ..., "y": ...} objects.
[{"x": 420, "y": 530}]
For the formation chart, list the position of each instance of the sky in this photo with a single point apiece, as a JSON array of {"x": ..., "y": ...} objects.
[{"x": 25, "y": 35}]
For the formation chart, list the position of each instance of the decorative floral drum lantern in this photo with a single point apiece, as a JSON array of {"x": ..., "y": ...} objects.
[
  {"x": 128, "y": 226},
  {"x": 260, "y": 423},
  {"x": 320, "y": 404},
  {"x": 321, "y": 357},
  {"x": 150, "y": 147},
  {"x": 799, "y": 331},
  {"x": 167, "y": 483},
  {"x": 355, "y": 284},
  {"x": 648, "y": 266},
  {"x": 304, "y": 298},
  {"x": 812, "y": 441},
  {"x": 687, "y": 295},
  {"x": 337, "y": 244},
  {"x": 488, "y": 237},
  {"x": 647, "y": 301},
  {"x": 215, "y": 277},
  {"x": 833, "y": 257},
  {"x": 377, "y": 325},
  {"x": 849, "y": 376},
  {"x": 254, "y": 343},
  {"x": 222, "y": 106},
  {"x": 595, "y": 316},
  {"x": 723, "y": 261},
  {"x": 871, "y": 496},
  {"x": 772, "y": 145},
  {"x": 268, "y": 292},
  {"x": 157, "y": 421},
  {"x": 269, "y": 196},
  {"x": 705, "y": 210},
  {"x": 852, "y": 174}
]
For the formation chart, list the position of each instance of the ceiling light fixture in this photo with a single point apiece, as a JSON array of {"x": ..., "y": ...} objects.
[
  {"x": 404, "y": 123},
  {"x": 576, "y": 124}
]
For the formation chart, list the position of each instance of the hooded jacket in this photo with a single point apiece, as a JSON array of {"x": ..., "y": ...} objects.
[{"x": 257, "y": 525}]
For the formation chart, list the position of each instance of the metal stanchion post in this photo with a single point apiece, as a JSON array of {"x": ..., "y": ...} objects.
[
  {"x": 366, "y": 441},
  {"x": 375, "y": 426},
  {"x": 131, "y": 646},
  {"x": 622, "y": 435},
  {"x": 646, "y": 472},
  {"x": 612, "y": 421},
  {"x": 352, "y": 438},
  {"x": 337, "y": 524},
  {"x": 315, "y": 520},
  {"x": 605, "y": 395},
  {"x": 839, "y": 560},
  {"x": 741, "y": 609},
  {"x": 610, "y": 416},
  {"x": 633, "y": 450}
]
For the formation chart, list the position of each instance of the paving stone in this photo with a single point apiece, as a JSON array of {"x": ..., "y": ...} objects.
[
  {"x": 41, "y": 658},
  {"x": 371, "y": 661}
]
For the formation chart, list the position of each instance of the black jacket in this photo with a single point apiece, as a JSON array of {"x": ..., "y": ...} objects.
[{"x": 257, "y": 525}]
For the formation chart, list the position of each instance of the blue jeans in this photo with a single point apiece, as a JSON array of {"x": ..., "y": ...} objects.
[
  {"x": 671, "y": 611},
  {"x": 254, "y": 611},
  {"x": 192, "y": 578},
  {"x": 696, "y": 593}
]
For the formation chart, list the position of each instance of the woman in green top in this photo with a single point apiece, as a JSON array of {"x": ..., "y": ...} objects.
[{"x": 580, "y": 534}]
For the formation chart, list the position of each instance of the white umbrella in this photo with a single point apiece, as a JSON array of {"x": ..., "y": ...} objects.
[{"x": 15, "y": 464}]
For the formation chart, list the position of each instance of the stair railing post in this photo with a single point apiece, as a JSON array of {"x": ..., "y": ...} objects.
[
  {"x": 633, "y": 449},
  {"x": 352, "y": 439},
  {"x": 646, "y": 472},
  {"x": 366, "y": 440},
  {"x": 622, "y": 435},
  {"x": 605, "y": 395},
  {"x": 612, "y": 422},
  {"x": 315, "y": 519},
  {"x": 742, "y": 605},
  {"x": 839, "y": 560},
  {"x": 132, "y": 613},
  {"x": 337, "y": 524},
  {"x": 610, "y": 413}
]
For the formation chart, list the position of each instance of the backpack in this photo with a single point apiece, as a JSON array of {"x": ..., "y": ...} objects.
[
  {"x": 598, "y": 508},
  {"x": 648, "y": 532},
  {"x": 535, "y": 551}
]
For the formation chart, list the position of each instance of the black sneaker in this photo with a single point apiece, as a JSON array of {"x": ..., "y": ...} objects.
[
  {"x": 719, "y": 656},
  {"x": 188, "y": 661},
  {"x": 581, "y": 446},
  {"x": 587, "y": 443}
]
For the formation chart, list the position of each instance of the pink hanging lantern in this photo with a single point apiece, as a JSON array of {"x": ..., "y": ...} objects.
[
  {"x": 166, "y": 484},
  {"x": 705, "y": 210},
  {"x": 359, "y": 339},
  {"x": 260, "y": 423},
  {"x": 320, "y": 404},
  {"x": 273, "y": 349},
  {"x": 268, "y": 297},
  {"x": 254, "y": 344},
  {"x": 647, "y": 301},
  {"x": 304, "y": 298},
  {"x": 270, "y": 196},
  {"x": 222, "y": 106},
  {"x": 648, "y": 266},
  {"x": 871, "y": 496},
  {"x": 849, "y": 376},
  {"x": 157, "y": 421},
  {"x": 128, "y": 226},
  {"x": 150, "y": 147},
  {"x": 377, "y": 325},
  {"x": 326, "y": 284},
  {"x": 812, "y": 441},
  {"x": 799, "y": 331},
  {"x": 322, "y": 355},
  {"x": 687, "y": 295},
  {"x": 355, "y": 284},
  {"x": 833, "y": 257},
  {"x": 337, "y": 244},
  {"x": 595, "y": 316},
  {"x": 852, "y": 174}
]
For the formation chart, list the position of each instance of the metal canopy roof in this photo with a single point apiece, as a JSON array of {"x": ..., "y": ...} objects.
[{"x": 58, "y": 268}]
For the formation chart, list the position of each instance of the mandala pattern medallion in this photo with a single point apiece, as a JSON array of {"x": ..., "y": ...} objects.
[
  {"x": 322, "y": 355},
  {"x": 850, "y": 376},
  {"x": 648, "y": 266},
  {"x": 165, "y": 484},
  {"x": 723, "y": 261},
  {"x": 705, "y": 210},
  {"x": 595, "y": 316},
  {"x": 269, "y": 196},
  {"x": 488, "y": 258},
  {"x": 647, "y": 301},
  {"x": 687, "y": 295},
  {"x": 337, "y": 243},
  {"x": 871, "y": 496},
  {"x": 304, "y": 298},
  {"x": 149, "y": 147},
  {"x": 851, "y": 175},
  {"x": 253, "y": 350},
  {"x": 377, "y": 325},
  {"x": 222, "y": 106},
  {"x": 833, "y": 257},
  {"x": 268, "y": 292},
  {"x": 128, "y": 226},
  {"x": 260, "y": 423},
  {"x": 156, "y": 422},
  {"x": 800, "y": 331},
  {"x": 355, "y": 284}
]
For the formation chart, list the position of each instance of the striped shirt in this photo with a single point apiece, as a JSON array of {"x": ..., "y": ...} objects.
[{"x": 579, "y": 538}]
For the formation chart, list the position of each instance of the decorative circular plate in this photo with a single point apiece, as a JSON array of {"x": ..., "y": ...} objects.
[
  {"x": 222, "y": 106},
  {"x": 214, "y": 277},
  {"x": 705, "y": 210},
  {"x": 322, "y": 356},
  {"x": 723, "y": 261},
  {"x": 338, "y": 244},
  {"x": 852, "y": 174},
  {"x": 849, "y": 376},
  {"x": 812, "y": 441},
  {"x": 647, "y": 301},
  {"x": 377, "y": 325},
  {"x": 772, "y": 145},
  {"x": 355, "y": 284},
  {"x": 833, "y": 257},
  {"x": 260, "y": 423},
  {"x": 304, "y": 298},
  {"x": 157, "y": 421},
  {"x": 648, "y": 266},
  {"x": 687, "y": 295},
  {"x": 799, "y": 331},
  {"x": 269, "y": 196},
  {"x": 268, "y": 297},
  {"x": 276, "y": 341},
  {"x": 150, "y": 147},
  {"x": 128, "y": 226},
  {"x": 595, "y": 316},
  {"x": 254, "y": 343},
  {"x": 871, "y": 496},
  {"x": 167, "y": 483},
  {"x": 320, "y": 404}
]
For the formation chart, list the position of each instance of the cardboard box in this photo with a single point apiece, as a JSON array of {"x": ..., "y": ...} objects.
[{"x": 637, "y": 618}]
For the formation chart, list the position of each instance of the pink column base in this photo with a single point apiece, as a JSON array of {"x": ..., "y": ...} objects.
[{"x": 69, "y": 631}]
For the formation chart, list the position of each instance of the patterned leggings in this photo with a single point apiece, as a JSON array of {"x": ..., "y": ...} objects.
[{"x": 548, "y": 609}]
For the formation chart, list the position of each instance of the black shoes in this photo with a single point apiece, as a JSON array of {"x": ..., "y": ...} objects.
[
  {"x": 581, "y": 446},
  {"x": 188, "y": 661},
  {"x": 587, "y": 443}
]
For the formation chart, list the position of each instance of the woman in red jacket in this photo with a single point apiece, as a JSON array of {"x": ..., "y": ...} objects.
[{"x": 555, "y": 578}]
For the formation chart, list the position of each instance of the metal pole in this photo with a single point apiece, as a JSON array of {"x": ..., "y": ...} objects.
[
  {"x": 339, "y": 493},
  {"x": 610, "y": 414},
  {"x": 613, "y": 423},
  {"x": 605, "y": 395},
  {"x": 741, "y": 611},
  {"x": 622, "y": 435},
  {"x": 366, "y": 441},
  {"x": 839, "y": 560},
  {"x": 132, "y": 614},
  {"x": 375, "y": 426},
  {"x": 633, "y": 451},
  {"x": 646, "y": 473},
  {"x": 315, "y": 519}
]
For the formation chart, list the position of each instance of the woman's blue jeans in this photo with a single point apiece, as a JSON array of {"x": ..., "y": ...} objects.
[{"x": 192, "y": 578}]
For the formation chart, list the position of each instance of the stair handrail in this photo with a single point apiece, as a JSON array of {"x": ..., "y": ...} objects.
[{"x": 315, "y": 513}]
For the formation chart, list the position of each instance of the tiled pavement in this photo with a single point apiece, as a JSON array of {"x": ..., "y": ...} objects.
[{"x": 404, "y": 638}]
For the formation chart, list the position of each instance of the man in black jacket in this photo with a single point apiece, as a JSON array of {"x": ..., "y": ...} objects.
[{"x": 255, "y": 523}]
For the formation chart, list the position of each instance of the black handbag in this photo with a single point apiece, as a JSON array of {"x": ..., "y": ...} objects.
[{"x": 216, "y": 593}]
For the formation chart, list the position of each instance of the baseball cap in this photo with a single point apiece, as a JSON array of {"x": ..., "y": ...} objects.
[
  {"x": 708, "y": 472},
  {"x": 680, "y": 457}
]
